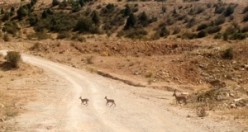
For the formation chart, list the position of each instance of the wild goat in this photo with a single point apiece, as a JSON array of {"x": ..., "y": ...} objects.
[
  {"x": 84, "y": 101},
  {"x": 110, "y": 101},
  {"x": 180, "y": 98}
]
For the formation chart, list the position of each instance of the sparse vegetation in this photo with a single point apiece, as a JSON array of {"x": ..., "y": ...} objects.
[
  {"x": 228, "y": 53},
  {"x": 13, "y": 58}
]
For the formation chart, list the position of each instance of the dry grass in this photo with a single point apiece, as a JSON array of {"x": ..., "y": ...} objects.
[{"x": 238, "y": 114}]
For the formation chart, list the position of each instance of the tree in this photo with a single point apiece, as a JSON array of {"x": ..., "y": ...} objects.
[{"x": 131, "y": 21}]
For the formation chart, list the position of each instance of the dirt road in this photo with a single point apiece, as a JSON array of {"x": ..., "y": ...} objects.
[{"x": 137, "y": 110}]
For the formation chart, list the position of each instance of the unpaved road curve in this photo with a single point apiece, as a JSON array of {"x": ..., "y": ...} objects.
[{"x": 137, "y": 110}]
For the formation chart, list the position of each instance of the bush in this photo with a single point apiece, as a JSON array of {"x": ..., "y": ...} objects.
[
  {"x": 109, "y": 8},
  {"x": 219, "y": 9},
  {"x": 238, "y": 36},
  {"x": 33, "y": 19},
  {"x": 6, "y": 16},
  {"x": 63, "y": 4},
  {"x": 163, "y": 32},
  {"x": 227, "y": 54},
  {"x": 95, "y": 17},
  {"x": 85, "y": 25},
  {"x": 188, "y": 35},
  {"x": 143, "y": 19},
  {"x": 55, "y": 2},
  {"x": 22, "y": 12},
  {"x": 63, "y": 35},
  {"x": 75, "y": 7},
  {"x": 245, "y": 19},
  {"x": 218, "y": 36},
  {"x": 213, "y": 29},
  {"x": 11, "y": 27},
  {"x": 191, "y": 23},
  {"x": 127, "y": 11},
  {"x": 13, "y": 58},
  {"x": 229, "y": 11},
  {"x": 38, "y": 35},
  {"x": 134, "y": 33},
  {"x": 131, "y": 22},
  {"x": 202, "y": 26},
  {"x": 201, "y": 34},
  {"x": 220, "y": 20},
  {"x": 245, "y": 10},
  {"x": 244, "y": 29},
  {"x": 6, "y": 37},
  {"x": 57, "y": 22},
  {"x": 176, "y": 30}
]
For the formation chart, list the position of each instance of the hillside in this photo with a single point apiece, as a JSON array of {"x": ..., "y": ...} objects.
[{"x": 193, "y": 46}]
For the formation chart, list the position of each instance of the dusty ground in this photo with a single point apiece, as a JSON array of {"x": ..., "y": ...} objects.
[
  {"x": 138, "y": 109},
  {"x": 18, "y": 87},
  {"x": 164, "y": 64}
]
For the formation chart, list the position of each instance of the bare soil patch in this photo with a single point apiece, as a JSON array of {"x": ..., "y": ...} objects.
[{"x": 17, "y": 89}]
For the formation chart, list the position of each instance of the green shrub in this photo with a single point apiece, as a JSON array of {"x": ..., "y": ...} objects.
[
  {"x": 219, "y": 9},
  {"x": 245, "y": 10},
  {"x": 213, "y": 29},
  {"x": 143, "y": 19},
  {"x": 227, "y": 54},
  {"x": 6, "y": 37},
  {"x": 163, "y": 32},
  {"x": 13, "y": 58},
  {"x": 63, "y": 35},
  {"x": 229, "y": 11},
  {"x": 55, "y": 2},
  {"x": 127, "y": 11},
  {"x": 109, "y": 9},
  {"x": 244, "y": 29},
  {"x": 78, "y": 37},
  {"x": 245, "y": 19},
  {"x": 220, "y": 20},
  {"x": 176, "y": 30},
  {"x": 131, "y": 22},
  {"x": 22, "y": 12},
  {"x": 11, "y": 27},
  {"x": 33, "y": 19},
  {"x": 238, "y": 36},
  {"x": 202, "y": 26},
  {"x": 75, "y": 7},
  {"x": 63, "y": 4},
  {"x": 95, "y": 17},
  {"x": 201, "y": 34},
  {"x": 134, "y": 33},
  {"x": 218, "y": 36},
  {"x": 38, "y": 35},
  {"x": 57, "y": 22},
  {"x": 191, "y": 23},
  {"x": 85, "y": 25},
  {"x": 189, "y": 35},
  {"x": 6, "y": 16}
]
